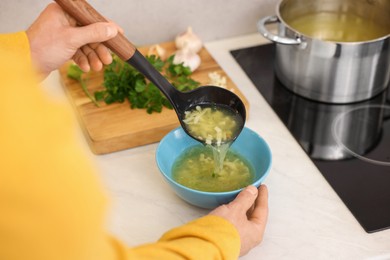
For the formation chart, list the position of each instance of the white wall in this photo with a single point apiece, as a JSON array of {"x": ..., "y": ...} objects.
[{"x": 152, "y": 21}]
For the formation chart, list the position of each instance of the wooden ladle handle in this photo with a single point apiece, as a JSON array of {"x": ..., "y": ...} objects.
[{"x": 85, "y": 14}]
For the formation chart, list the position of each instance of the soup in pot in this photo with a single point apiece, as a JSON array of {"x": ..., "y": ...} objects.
[{"x": 338, "y": 27}]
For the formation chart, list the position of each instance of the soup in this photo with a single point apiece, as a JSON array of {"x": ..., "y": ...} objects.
[
  {"x": 338, "y": 27},
  {"x": 195, "y": 169},
  {"x": 214, "y": 125}
]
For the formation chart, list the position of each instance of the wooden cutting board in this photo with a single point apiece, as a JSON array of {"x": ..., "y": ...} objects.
[{"x": 116, "y": 127}]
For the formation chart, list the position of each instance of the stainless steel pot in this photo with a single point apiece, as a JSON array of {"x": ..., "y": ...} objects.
[{"x": 327, "y": 70}]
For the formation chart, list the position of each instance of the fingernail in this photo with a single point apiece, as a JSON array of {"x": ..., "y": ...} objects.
[
  {"x": 252, "y": 190},
  {"x": 111, "y": 31}
]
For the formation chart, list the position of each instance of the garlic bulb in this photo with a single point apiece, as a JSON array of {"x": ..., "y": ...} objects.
[
  {"x": 188, "y": 40},
  {"x": 188, "y": 58},
  {"x": 158, "y": 51}
]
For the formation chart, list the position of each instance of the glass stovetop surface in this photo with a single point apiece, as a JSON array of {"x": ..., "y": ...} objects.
[{"x": 349, "y": 143}]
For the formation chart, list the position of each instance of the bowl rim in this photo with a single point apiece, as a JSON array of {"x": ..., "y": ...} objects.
[{"x": 217, "y": 193}]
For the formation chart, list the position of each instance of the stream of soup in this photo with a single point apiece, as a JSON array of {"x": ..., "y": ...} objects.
[
  {"x": 195, "y": 168},
  {"x": 209, "y": 169}
]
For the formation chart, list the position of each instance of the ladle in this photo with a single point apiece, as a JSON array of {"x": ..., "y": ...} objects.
[{"x": 85, "y": 14}]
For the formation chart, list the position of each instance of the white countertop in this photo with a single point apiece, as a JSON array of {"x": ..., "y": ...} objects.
[{"x": 307, "y": 220}]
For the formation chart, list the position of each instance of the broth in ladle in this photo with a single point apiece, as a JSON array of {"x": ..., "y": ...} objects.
[{"x": 213, "y": 125}]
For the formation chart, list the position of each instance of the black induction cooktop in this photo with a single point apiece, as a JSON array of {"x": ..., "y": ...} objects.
[{"x": 349, "y": 143}]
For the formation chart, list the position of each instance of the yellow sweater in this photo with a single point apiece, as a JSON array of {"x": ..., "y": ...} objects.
[{"x": 52, "y": 205}]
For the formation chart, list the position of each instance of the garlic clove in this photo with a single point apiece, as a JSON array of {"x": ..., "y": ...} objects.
[
  {"x": 188, "y": 58},
  {"x": 157, "y": 50},
  {"x": 217, "y": 79},
  {"x": 188, "y": 40}
]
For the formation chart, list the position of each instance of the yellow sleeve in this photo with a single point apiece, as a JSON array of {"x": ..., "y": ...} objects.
[
  {"x": 209, "y": 237},
  {"x": 52, "y": 204},
  {"x": 17, "y": 44}
]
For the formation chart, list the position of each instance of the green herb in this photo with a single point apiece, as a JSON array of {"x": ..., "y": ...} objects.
[
  {"x": 74, "y": 72},
  {"x": 122, "y": 81},
  {"x": 179, "y": 75}
]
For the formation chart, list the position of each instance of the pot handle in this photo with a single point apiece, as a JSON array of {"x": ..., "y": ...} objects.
[{"x": 261, "y": 26}]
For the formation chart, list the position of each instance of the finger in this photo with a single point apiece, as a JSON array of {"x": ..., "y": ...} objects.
[
  {"x": 260, "y": 212},
  {"x": 93, "y": 58},
  {"x": 120, "y": 29},
  {"x": 94, "y": 45},
  {"x": 250, "y": 210},
  {"x": 245, "y": 199},
  {"x": 81, "y": 60},
  {"x": 96, "y": 32},
  {"x": 104, "y": 54}
]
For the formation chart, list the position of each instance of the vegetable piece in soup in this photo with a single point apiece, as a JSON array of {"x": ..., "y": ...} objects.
[
  {"x": 214, "y": 125},
  {"x": 195, "y": 169}
]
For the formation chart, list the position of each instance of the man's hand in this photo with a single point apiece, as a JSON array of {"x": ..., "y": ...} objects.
[
  {"x": 54, "y": 39},
  {"x": 248, "y": 213}
]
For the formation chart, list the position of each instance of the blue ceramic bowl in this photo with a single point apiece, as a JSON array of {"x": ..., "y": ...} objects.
[{"x": 248, "y": 144}]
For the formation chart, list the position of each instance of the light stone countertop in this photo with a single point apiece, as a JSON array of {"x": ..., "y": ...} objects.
[{"x": 307, "y": 220}]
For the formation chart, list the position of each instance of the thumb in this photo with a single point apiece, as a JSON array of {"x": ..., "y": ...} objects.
[
  {"x": 96, "y": 32},
  {"x": 245, "y": 198}
]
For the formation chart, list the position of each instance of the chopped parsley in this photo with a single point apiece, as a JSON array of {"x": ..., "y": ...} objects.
[{"x": 122, "y": 81}]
